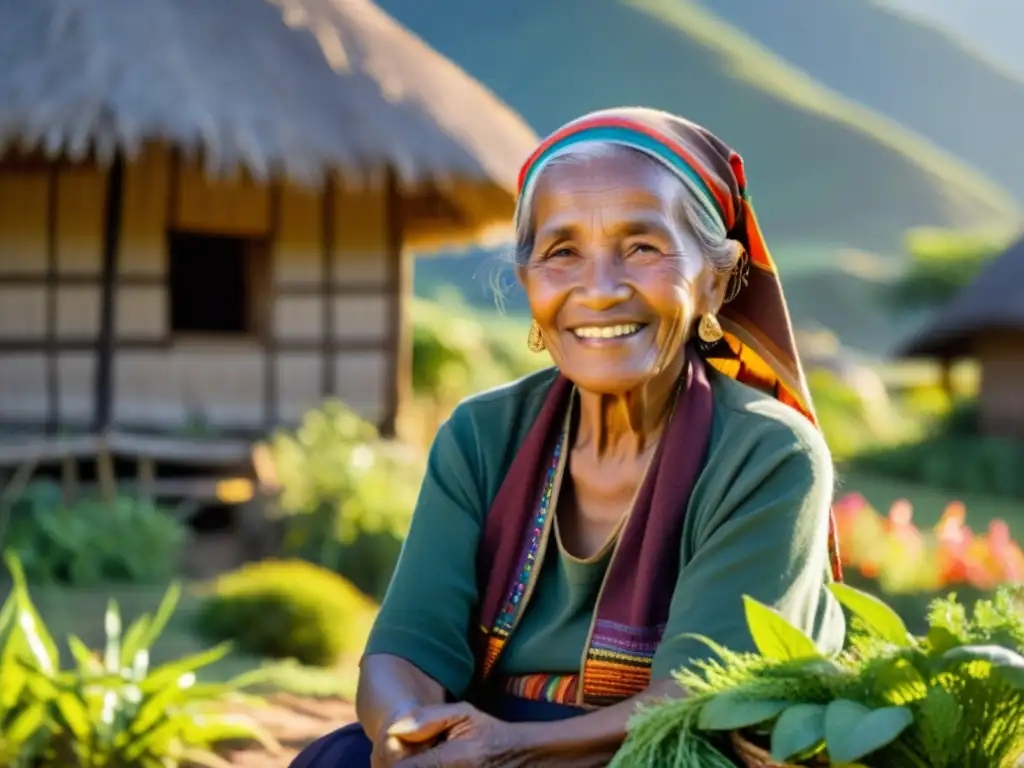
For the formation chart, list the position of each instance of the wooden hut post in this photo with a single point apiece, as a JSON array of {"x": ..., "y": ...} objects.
[
  {"x": 327, "y": 241},
  {"x": 946, "y": 376},
  {"x": 399, "y": 281},
  {"x": 108, "y": 294}
]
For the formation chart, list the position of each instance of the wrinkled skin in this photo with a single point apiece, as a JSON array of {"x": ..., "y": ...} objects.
[
  {"x": 472, "y": 739},
  {"x": 609, "y": 248}
]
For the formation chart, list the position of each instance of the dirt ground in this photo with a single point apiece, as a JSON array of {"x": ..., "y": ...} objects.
[{"x": 294, "y": 721}]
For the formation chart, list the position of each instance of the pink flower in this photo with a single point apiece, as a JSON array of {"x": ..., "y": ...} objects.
[{"x": 906, "y": 559}]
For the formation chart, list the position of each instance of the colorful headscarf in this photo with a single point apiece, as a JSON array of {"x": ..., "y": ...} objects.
[{"x": 759, "y": 348}]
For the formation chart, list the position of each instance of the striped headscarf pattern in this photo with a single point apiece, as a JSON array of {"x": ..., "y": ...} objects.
[{"x": 759, "y": 348}]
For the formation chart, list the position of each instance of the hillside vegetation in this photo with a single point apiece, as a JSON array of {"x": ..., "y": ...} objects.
[
  {"x": 822, "y": 169},
  {"x": 918, "y": 74}
]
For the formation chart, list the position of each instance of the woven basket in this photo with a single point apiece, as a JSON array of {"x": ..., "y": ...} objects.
[{"x": 751, "y": 755}]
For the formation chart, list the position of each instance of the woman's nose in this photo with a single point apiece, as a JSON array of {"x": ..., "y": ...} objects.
[{"x": 603, "y": 285}]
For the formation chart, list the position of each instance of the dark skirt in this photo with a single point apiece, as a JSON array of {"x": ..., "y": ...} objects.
[{"x": 349, "y": 747}]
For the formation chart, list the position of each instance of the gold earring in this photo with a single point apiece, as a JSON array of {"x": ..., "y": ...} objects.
[
  {"x": 535, "y": 342},
  {"x": 709, "y": 329}
]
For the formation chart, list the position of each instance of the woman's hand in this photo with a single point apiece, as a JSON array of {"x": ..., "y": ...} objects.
[
  {"x": 467, "y": 739},
  {"x": 392, "y": 751},
  {"x": 409, "y": 735}
]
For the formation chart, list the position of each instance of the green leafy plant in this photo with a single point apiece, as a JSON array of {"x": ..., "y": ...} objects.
[
  {"x": 287, "y": 609},
  {"x": 27, "y": 659},
  {"x": 111, "y": 709},
  {"x": 93, "y": 542},
  {"x": 954, "y": 697},
  {"x": 953, "y": 454},
  {"x": 346, "y": 495},
  {"x": 942, "y": 262}
]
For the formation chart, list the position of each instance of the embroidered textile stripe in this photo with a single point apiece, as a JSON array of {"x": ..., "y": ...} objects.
[{"x": 557, "y": 689}]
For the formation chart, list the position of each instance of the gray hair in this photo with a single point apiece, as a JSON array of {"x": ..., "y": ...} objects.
[{"x": 721, "y": 253}]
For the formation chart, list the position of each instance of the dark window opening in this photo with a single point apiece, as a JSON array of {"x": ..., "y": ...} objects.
[{"x": 214, "y": 283}]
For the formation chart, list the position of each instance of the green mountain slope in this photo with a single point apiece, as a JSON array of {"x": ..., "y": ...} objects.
[
  {"x": 991, "y": 27},
  {"x": 822, "y": 169},
  {"x": 915, "y": 73}
]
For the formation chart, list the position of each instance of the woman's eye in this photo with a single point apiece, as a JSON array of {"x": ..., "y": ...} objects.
[
  {"x": 561, "y": 252},
  {"x": 643, "y": 249}
]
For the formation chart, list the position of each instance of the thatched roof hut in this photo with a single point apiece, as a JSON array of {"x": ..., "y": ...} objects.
[
  {"x": 985, "y": 322},
  {"x": 279, "y": 88},
  {"x": 285, "y": 152}
]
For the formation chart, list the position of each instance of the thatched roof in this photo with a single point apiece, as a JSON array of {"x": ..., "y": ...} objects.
[
  {"x": 282, "y": 88},
  {"x": 993, "y": 302}
]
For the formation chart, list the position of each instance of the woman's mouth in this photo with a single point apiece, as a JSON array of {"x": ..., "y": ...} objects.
[{"x": 608, "y": 332}]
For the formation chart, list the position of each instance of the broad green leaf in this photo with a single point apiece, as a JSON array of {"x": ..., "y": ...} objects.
[
  {"x": 75, "y": 715},
  {"x": 162, "y": 616},
  {"x": 775, "y": 637},
  {"x": 730, "y": 712},
  {"x": 7, "y": 613},
  {"x": 941, "y": 640},
  {"x": 25, "y": 725},
  {"x": 131, "y": 644},
  {"x": 853, "y": 731},
  {"x": 1012, "y": 676},
  {"x": 112, "y": 629},
  {"x": 878, "y": 617},
  {"x": 156, "y": 741},
  {"x": 1005, "y": 664},
  {"x": 216, "y": 730},
  {"x": 995, "y": 655},
  {"x": 171, "y": 672},
  {"x": 153, "y": 710},
  {"x": 33, "y": 640},
  {"x": 86, "y": 660},
  {"x": 798, "y": 729},
  {"x": 24, "y": 607}
]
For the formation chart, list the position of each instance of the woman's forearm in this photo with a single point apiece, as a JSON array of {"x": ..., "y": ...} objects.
[
  {"x": 390, "y": 687},
  {"x": 594, "y": 738}
]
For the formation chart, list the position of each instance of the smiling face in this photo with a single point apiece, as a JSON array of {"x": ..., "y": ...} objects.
[{"x": 614, "y": 278}]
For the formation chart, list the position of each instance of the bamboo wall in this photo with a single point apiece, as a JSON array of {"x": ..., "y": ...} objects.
[{"x": 51, "y": 241}]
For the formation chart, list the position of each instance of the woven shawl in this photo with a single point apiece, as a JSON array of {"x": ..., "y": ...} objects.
[{"x": 758, "y": 349}]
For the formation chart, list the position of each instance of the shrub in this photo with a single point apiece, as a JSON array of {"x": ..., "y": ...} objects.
[
  {"x": 287, "y": 609},
  {"x": 346, "y": 496},
  {"x": 458, "y": 350},
  {"x": 92, "y": 542},
  {"x": 852, "y": 420},
  {"x": 942, "y": 263},
  {"x": 110, "y": 709},
  {"x": 955, "y": 457}
]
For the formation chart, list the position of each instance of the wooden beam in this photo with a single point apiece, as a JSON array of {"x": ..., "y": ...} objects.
[
  {"x": 104, "y": 403},
  {"x": 399, "y": 278},
  {"x": 78, "y": 280},
  {"x": 52, "y": 269},
  {"x": 327, "y": 244},
  {"x": 154, "y": 344},
  {"x": 168, "y": 450},
  {"x": 270, "y": 399}
]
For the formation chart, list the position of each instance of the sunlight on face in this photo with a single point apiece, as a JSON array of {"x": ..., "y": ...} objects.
[{"x": 615, "y": 279}]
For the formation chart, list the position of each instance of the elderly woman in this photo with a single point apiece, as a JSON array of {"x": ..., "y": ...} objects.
[{"x": 578, "y": 527}]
